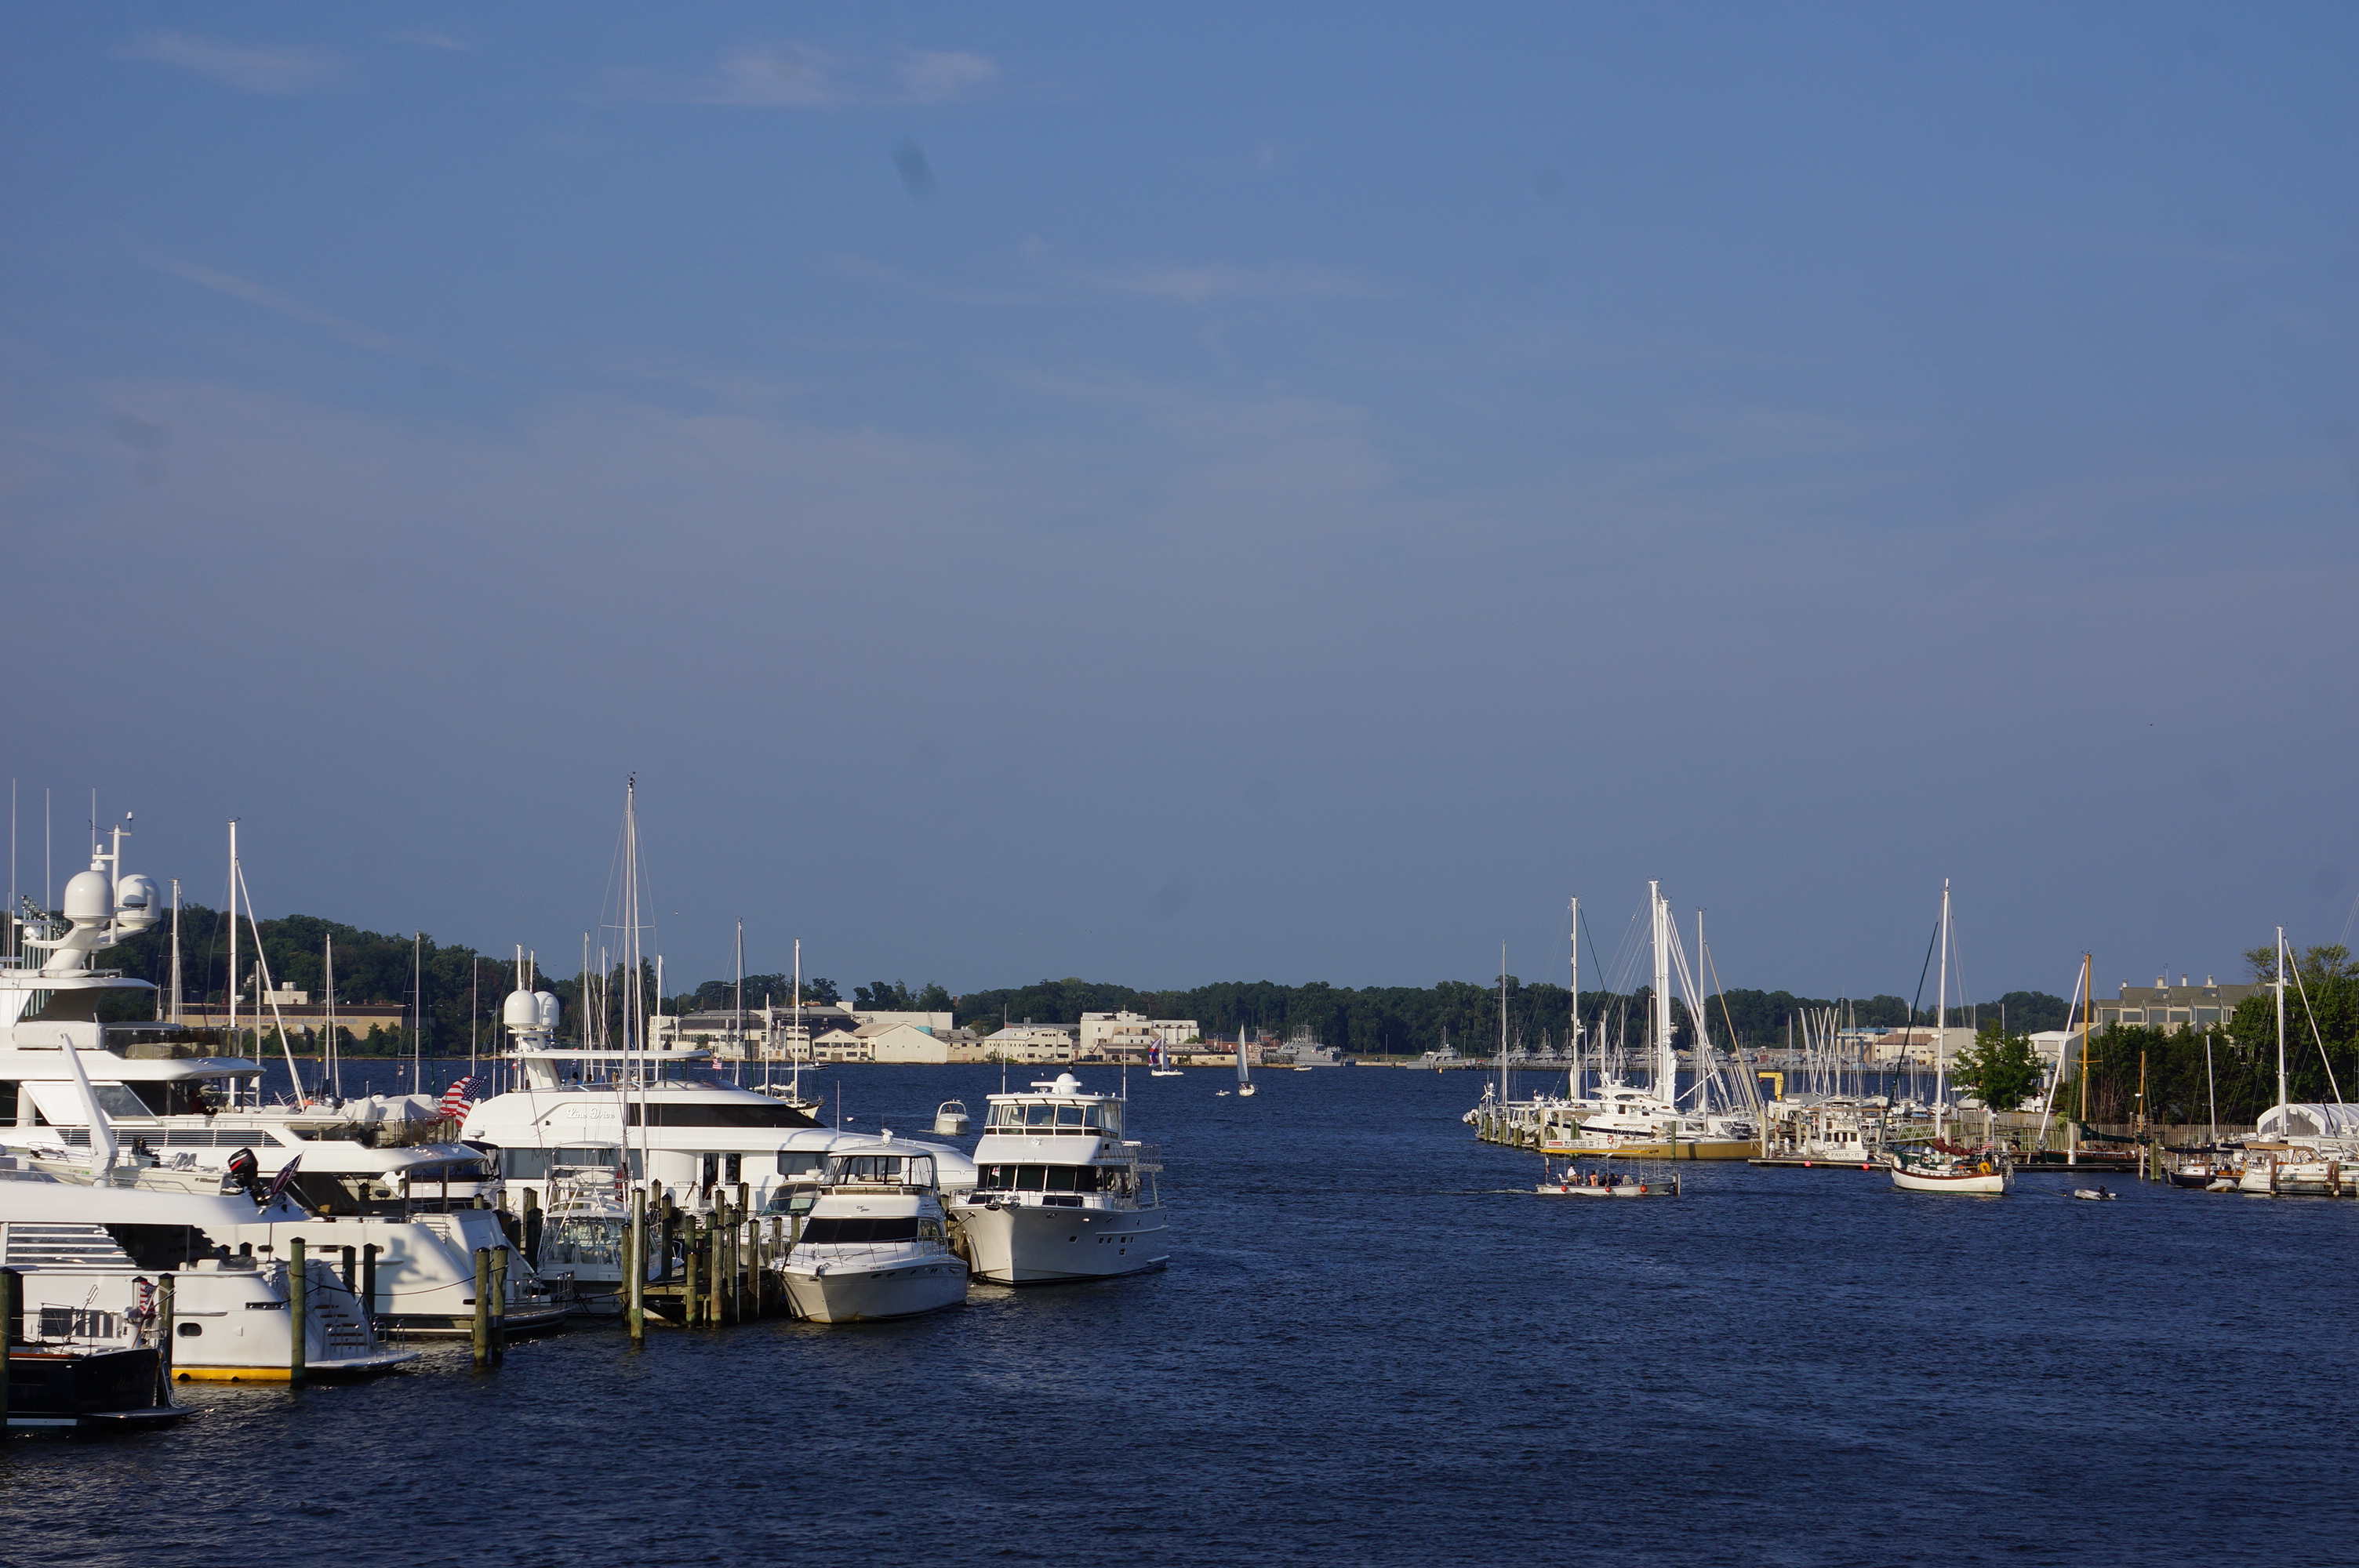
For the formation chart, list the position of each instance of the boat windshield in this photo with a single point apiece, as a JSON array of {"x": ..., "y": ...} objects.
[
  {"x": 916, "y": 1170},
  {"x": 584, "y": 1239},
  {"x": 1092, "y": 1118},
  {"x": 1017, "y": 1178},
  {"x": 854, "y": 1230}
]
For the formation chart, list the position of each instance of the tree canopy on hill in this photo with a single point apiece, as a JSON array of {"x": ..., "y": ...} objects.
[{"x": 464, "y": 990}]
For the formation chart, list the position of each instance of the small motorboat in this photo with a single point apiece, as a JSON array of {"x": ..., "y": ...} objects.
[
  {"x": 1604, "y": 1184},
  {"x": 2093, "y": 1195},
  {"x": 951, "y": 1119}
]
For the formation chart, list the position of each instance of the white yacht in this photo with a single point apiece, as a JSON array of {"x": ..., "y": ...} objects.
[
  {"x": 662, "y": 1112},
  {"x": 1059, "y": 1193},
  {"x": 874, "y": 1244},
  {"x": 173, "y": 1108},
  {"x": 92, "y": 1254}
]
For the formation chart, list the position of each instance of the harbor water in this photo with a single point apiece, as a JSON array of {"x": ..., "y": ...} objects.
[{"x": 1373, "y": 1345}]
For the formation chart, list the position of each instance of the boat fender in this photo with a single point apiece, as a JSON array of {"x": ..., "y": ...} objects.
[{"x": 1642, "y": 1189}]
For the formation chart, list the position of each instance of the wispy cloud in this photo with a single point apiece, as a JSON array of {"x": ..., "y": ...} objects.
[
  {"x": 351, "y": 333},
  {"x": 800, "y": 76},
  {"x": 279, "y": 73},
  {"x": 1201, "y": 284}
]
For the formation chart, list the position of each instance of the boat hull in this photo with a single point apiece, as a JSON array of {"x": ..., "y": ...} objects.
[
  {"x": 1656, "y": 1149},
  {"x": 1971, "y": 1182},
  {"x": 66, "y": 1388},
  {"x": 1030, "y": 1244},
  {"x": 862, "y": 1292}
]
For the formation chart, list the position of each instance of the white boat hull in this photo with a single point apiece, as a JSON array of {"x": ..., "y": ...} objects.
[
  {"x": 1972, "y": 1183},
  {"x": 1024, "y": 1244},
  {"x": 864, "y": 1291}
]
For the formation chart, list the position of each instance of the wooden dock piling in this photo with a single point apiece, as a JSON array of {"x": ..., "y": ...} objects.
[
  {"x": 164, "y": 1331},
  {"x": 499, "y": 1304},
  {"x": 635, "y": 1316},
  {"x": 298, "y": 1317},
  {"x": 483, "y": 1308}
]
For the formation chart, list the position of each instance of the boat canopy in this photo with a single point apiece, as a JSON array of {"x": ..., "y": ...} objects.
[{"x": 2310, "y": 1121}]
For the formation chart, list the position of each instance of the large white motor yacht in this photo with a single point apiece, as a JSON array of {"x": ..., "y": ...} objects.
[
  {"x": 661, "y": 1111},
  {"x": 1059, "y": 1193},
  {"x": 874, "y": 1244},
  {"x": 174, "y": 1109},
  {"x": 92, "y": 1253}
]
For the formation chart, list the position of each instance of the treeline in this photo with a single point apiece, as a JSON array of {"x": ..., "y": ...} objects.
[
  {"x": 1409, "y": 1020},
  {"x": 2181, "y": 1074},
  {"x": 462, "y": 988}
]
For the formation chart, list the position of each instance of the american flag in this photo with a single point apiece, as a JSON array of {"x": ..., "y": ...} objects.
[
  {"x": 457, "y": 1098},
  {"x": 285, "y": 1179}
]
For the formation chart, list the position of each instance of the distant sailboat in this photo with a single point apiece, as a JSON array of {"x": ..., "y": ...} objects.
[
  {"x": 1245, "y": 1073},
  {"x": 1158, "y": 1063}
]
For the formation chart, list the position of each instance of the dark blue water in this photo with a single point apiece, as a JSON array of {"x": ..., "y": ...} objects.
[{"x": 1370, "y": 1348}]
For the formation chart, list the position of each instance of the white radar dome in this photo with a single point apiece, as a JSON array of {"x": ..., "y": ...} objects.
[
  {"x": 135, "y": 891},
  {"x": 546, "y": 1003},
  {"x": 88, "y": 897},
  {"x": 521, "y": 1010}
]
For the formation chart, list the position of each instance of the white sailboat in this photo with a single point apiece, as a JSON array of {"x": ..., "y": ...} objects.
[
  {"x": 1245, "y": 1070},
  {"x": 1158, "y": 1062},
  {"x": 1941, "y": 1166}
]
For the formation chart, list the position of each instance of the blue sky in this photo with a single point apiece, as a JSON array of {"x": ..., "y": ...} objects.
[{"x": 1219, "y": 492}]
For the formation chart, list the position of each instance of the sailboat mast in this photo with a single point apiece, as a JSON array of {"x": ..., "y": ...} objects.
[
  {"x": 1574, "y": 1087},
  {"x": 175, "y": 934},
  {"x": 233, "y": 959},
  {"x": 1666, "y": 1065},
  {"x": 1503, "y": 1027},
  {"x": 2282, "y": 1066},
  {"x": 1941, "y": 1018}
]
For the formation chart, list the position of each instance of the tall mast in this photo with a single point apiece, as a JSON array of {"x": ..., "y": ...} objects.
[
  {"x": 1666, "y": 1064},
  {"x": 417, "y": 1020},
  {"x": 1941, "y": 1017},
  {"x": 1503, "y": 1027},
  {"x": 2281, "y": 1068},
  {"x": 232, "y": 947},
  {"x": 176, "y": 940},
  {"x": 738, "y": 1023},
  {"x": 797, "y": 1090},
  {"x": 335, "y": 1055},
  {"x": 1575, "y": 1085}
]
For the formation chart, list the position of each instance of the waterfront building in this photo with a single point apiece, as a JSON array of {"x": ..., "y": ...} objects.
[{"x": 1028, "y": 1042}]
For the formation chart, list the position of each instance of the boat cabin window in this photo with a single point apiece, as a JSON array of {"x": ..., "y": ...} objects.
[
  {"x": 119, "y": 1104},
  {"x": 831, "y": 1231},
  {"x": 800, "y": 1161},
  {"x": 1105, "y": 1117},
  {"x": 722, "y": 1170},
  {"x": 734, "y": 1113},
  {"x": 534, "y": 1164},
  {"x": 917, "y": 1170},
  {"x": 1015, "y": 1178}
]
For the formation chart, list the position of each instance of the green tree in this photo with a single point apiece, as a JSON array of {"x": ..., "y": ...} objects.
[{"x": 2003, "y": 1070}]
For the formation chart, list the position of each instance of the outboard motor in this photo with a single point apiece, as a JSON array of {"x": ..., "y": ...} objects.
[{"x": 246, "y": 1172}]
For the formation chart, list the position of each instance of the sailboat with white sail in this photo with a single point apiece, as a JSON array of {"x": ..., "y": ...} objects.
[{"x": 1244, "y": 1067}]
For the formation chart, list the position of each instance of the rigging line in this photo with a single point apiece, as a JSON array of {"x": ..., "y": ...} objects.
[
  {"x": 1929, "y": 943},
  {"x": 2304, "y": 989},
  {"x": 2344, "y": 940}
]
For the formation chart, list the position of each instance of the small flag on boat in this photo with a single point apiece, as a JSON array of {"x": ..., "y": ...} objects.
[
  {"x": 457, "y": 1098},
  {"x": 284, "y": 1180}
]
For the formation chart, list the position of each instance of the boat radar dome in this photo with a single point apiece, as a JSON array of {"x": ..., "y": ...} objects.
[
  {"x": 520, "y": 1013},
  {"x": 89, "y": 897},
  {"x": 545, "y": 1002},
  {"x": 1066, "y": 1084}
]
